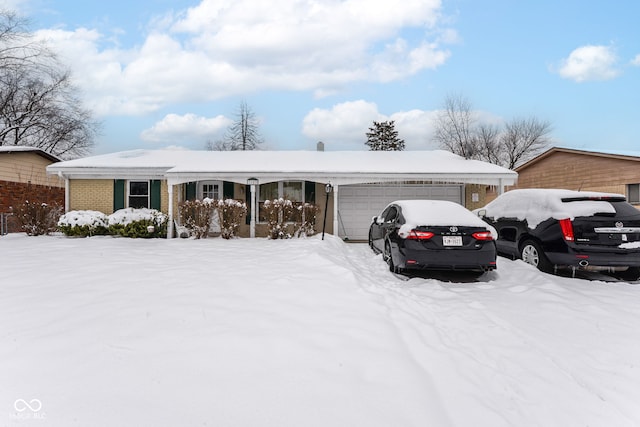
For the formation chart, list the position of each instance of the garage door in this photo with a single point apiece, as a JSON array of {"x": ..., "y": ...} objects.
[{"x": 357, "y": 204}]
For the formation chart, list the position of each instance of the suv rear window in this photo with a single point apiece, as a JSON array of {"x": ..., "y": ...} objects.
[
  {"x": 625, "y": 209},
  {"x": 609, "y": 208}
]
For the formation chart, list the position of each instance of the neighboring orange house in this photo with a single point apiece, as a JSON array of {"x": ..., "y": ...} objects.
[
  {"x": 23, "y": 176},
  {"x": 583, "y": 170}
]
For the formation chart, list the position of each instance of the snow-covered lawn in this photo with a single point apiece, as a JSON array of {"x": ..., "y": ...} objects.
[{"x": 120, "y": 332}]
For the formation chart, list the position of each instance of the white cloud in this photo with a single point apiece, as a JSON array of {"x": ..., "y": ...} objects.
[
  {"x": 590, "y": 62},
  {"x": 188, "y": 128},
  {"x": 415, "y": 127},
  {"x": 345, "y": 125},
  {"x": 223, "y": 47},
  {"x": 20, "y": 6},
  {"x": 636, "y": 61}
]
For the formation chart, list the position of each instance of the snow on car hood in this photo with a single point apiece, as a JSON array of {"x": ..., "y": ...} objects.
[{"x": 537, "y": 205}]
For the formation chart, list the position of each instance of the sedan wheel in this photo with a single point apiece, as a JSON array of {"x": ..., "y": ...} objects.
[
  {"x": 388, "y": 258},
  {"x": 531, "y": 253}
]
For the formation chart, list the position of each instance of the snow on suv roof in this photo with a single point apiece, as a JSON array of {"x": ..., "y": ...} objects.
[{"x": 539, "y": 204}]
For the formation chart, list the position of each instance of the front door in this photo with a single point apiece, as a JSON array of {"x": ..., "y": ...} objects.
[{"x": 211, "y": 190}]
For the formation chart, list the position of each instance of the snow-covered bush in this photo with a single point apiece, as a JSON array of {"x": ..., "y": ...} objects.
[
  {"x": 306, "y": 219},
  {"x": 37, "y": 218},
  {"x": 196, "y": 216},
  {"x": 276, "y": 213},
  {"x": 84, "y": 223},
  {"x": 142, "y": 222},
  {"x": 231, "y": 212}
]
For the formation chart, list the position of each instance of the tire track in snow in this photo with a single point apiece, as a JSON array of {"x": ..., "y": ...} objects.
[{"x": 444, "y": 328}]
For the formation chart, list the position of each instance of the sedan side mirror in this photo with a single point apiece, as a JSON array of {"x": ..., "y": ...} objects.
[
  {"x": 481, "y": 213},
  {"x": 374, "y": 220}
]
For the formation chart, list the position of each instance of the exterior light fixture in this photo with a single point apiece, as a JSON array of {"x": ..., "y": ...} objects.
[{"x": 328, "y": 189}]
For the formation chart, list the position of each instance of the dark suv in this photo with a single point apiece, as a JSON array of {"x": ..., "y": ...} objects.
[{"x": 579, "y": 230}]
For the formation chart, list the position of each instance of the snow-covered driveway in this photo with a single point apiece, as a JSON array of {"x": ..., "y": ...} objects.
[{"x": 252, "y": 332}]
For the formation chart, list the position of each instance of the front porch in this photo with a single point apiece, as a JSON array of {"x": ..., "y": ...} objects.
[{"x": 254, "y": 194}]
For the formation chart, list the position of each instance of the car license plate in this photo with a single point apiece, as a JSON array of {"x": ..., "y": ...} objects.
[{"x": 452, "y": 240}]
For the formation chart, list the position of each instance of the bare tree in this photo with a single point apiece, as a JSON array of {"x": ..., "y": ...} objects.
[
  {"x": 524, "y": 139},
  {"x": 243, "y": 134},
  {"x": 487, "y": 140},
  {"x": 454, "y": 127},
  {"x": 16, "y": 45},
  {"x": 218, "y": 145},
  {"x": 39, "y": 106},
  {"x": 383, "y": 136},
  {"x": 458, "y": 130}
]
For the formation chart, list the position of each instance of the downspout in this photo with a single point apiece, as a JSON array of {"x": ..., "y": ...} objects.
[
  {"x": 335, "y": 209},
  {"x": 67, "y": 195},
  {"x": 66, "y": 191}
]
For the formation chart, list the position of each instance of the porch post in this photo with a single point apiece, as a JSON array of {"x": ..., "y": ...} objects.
[
  {"x": 170, "y": 225},
  {"x": 335, "y": 209},
  {"x": 252, "y": 224}
]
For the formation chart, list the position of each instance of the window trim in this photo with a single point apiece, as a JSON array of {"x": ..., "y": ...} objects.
[
  {"x": 201, "y": 184},
  {"x": 128, "y": 188},
  {"x": 635, "y": 193}
]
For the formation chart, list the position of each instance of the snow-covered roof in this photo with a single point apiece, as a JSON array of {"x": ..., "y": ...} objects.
[
  {"x": 25, "y": 149},
  {"x": 617, "y": 154},
  {"x": 339, "y": 167}
]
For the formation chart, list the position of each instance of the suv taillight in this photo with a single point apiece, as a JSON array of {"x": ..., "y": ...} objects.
[{"x": 567, "y": 229}]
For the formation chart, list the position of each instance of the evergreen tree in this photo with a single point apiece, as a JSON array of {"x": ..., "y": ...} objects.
[{"x": 384, "y": 137}]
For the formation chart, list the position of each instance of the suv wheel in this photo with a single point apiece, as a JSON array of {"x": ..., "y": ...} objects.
[
  {"x": 532, "y": 253},
  {"x": 632, "y": 274}
]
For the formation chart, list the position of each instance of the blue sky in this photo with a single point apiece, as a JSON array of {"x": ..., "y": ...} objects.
[{"x": 173, "y": 72}]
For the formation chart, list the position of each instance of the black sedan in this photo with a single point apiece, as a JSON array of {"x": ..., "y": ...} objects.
[{"x": 432, "y": 235}]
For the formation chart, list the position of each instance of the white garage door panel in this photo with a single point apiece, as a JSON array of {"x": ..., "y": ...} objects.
[{"x": 357, "y": 204}]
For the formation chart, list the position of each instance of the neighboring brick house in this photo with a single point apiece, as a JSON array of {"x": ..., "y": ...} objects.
[
  {"x": 583, "y": 170},
  {"x": 22, "y": 177}
]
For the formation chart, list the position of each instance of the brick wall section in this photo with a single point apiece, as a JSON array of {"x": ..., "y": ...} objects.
[
  {"x": 97, "y": 195},
  {"x": 164, "y": 197},
  {"x": 576, "y": 171},
  {"x": 15, "y": 193},
  {"x": 91, "y": 194},
  {"x": 470, "y": 190}
]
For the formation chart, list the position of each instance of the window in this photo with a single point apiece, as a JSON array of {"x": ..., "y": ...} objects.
[
  {"x": 290, "y": 190},
  {"x": 391, "y": 214},
  {"x": 210, "y": 190},
  {"x": 633, "y": 193},
  {"x": 138, "y": 194}
]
